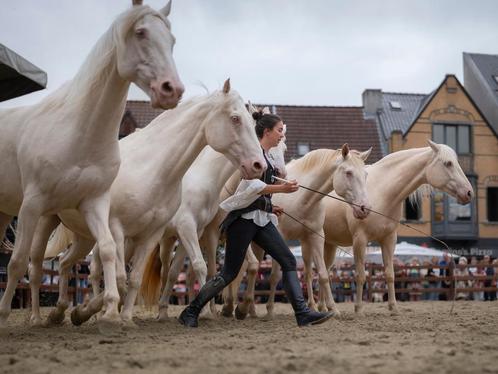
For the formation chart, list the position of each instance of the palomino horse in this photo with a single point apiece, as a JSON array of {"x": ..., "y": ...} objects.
[
  {"x": 147, "y": 191},
  {"x": 390, "y": 181},
  {"x": 200, "y": 203},
  {"x": 63, "y": 153},
  {"x": 323, "y": 170}
]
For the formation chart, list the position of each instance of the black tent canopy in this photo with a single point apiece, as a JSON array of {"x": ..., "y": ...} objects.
[{"x": 18, "y": 76}]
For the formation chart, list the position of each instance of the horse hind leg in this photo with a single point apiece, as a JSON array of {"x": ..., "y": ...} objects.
[
  {"x": 79, "y": 249},
  {"x": 45, "y": 227},
  {"x": 29, "y": 215},
  {"x": 247, "y": 305}
]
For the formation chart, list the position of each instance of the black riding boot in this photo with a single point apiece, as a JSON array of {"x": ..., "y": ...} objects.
[
  {"x": 190, "y": 314},
  {"x": 304, "y": 315}
]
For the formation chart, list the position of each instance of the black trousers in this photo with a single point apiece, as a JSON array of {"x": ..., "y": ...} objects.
[{"x": 240, "y": 234}]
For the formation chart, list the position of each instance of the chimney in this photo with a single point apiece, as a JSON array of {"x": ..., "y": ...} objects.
[{"x": 372, "y": 101}]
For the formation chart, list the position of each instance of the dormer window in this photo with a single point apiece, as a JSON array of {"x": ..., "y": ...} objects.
[{"x": 395, "y": 105}]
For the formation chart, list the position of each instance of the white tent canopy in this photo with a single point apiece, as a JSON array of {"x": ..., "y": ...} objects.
[{"x": 406, "y": 251}]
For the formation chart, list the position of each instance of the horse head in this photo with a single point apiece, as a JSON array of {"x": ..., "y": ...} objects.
[
  {"x": 230, "y": 130},
  {"x": 350, "y": 180},
  {"x": 444, "y": 173},
  {"x": 144, "y": 49}
]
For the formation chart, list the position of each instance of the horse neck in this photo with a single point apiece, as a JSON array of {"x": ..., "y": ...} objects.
[
  {"x": 319, "y": 178},
  {"x": 96, "y": 97},
  {"x": 217, "y": 169},
  {"x": 184, "y": 133},
  {"x": 399, "y": 175}
]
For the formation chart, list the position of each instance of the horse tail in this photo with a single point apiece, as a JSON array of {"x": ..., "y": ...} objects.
[
  {"x": 60, "y": 240},
  {"x": 151, "y": 280}
]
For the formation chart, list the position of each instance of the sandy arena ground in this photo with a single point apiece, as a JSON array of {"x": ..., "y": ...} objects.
[{"x": 423, "y": 339}]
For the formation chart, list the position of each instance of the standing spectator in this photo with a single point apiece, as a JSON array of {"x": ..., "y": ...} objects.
[
  {"x": 490, "y": 272},
  {"x": 462, "y": 271},
  {"x": 414, "y": 286},
  {"x": 399, "y": 273},
  {"x": 446, "y": 270},
  {"x": 473, "y": 273},
  {"x": 429, "y": 282}
]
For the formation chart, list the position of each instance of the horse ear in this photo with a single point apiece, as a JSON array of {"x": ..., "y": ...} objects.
[
  {"x": 266, "y": 110},
  {"x": 226, "y": 86},
  {"x": 364, "y": 155},
  {"x": 434, "y": 146},
  {"x": 166, "y": 10},
  {"x": 285, "y": 129},
  {"x": 251, "y": 107},
  {"x": 136, "y": 2},
  {"x": 345, "y": 150}
]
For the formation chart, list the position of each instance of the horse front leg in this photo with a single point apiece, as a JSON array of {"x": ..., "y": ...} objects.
[
  {"x": 387, "y": 246},
  {"x": 209, "y": 242},
  {"x": 46, "y": 225},
  {"x": 359, "y": 247},
  {"x": 329, "y": 252},
  {"x": 275, "y": 276},
  {"x": 244, "y": 308},
  {"x": 96, "y": 213},
  {"x": 29, "y": 215},
  {"x": 317, "y": 244}
]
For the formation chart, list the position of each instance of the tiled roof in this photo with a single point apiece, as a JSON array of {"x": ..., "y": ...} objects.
[
  {"x": 481, "y": 82},
  {"x": 400, "y": 119},
  {"x": 329, "y": 127},
  {"x": 488, "y": 66},
  {"x": 318, "y": 126},
  {"x": 142, "y": 112}
]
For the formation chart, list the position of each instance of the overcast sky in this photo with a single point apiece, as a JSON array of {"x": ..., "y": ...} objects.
[{"x": 313, "y": 52}]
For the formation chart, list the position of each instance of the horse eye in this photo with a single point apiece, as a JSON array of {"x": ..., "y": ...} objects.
[
  {"x": 448, "y": 164},
  {"x": 349, "y": 173},
  {"x": 235, "y": 120},
  {"x": 141, "y": 33}
]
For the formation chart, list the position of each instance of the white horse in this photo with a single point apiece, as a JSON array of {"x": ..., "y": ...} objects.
[
  {"x": 323, "y": 170},
  {"x": 63, "y": 152},
  {"x": 200, "y": 203},
  {"x": 390, "y": 181},
  {"x": 147, "y": 191}
]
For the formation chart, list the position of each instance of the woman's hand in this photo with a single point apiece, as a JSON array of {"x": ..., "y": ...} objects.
[
  {"x": 277, "y": 210},
  {"x": 290, "y": 186}
]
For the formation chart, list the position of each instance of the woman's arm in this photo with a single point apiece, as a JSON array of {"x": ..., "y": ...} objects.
[{"x": 287, "y": 187}]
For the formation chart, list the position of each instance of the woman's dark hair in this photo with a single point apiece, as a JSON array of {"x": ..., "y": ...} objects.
[{"x": 264, "y": 121}]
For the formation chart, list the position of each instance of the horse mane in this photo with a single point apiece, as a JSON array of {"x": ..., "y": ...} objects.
[
  {"x": 97, "y": 64},
  {"x": 314, "y": 159},
  {"x": 416, "y": 196}
]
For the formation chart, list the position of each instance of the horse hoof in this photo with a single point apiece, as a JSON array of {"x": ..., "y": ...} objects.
[
  {"x": 110, "y": 327},
  {"x": 268, "y": 317},
  {"x": 163, "y": 315},
  {"x": 128, "y": 324},
  {"x": 35, "y": 321},
  {"x": 239, "y": 314},
  {"x": 394, "y": 310},
  {"x": 77, "y": 317},
  {"x": 55, "y": 318},
  {"x": 358, "y": 309},
  {"x": 227, "y": 311}
]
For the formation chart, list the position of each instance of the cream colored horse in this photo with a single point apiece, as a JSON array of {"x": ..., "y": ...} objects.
[
  {"x": 323, "y": 170},
  {"x": 147, "y": 191},
  {"x": 200, "y": 203},
  {"x": 63, "y": 152},
  {"x": 390, "y": 181}
]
